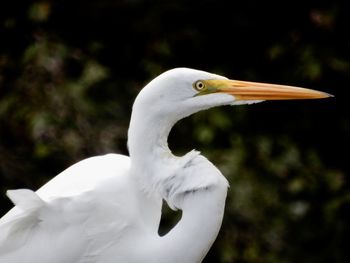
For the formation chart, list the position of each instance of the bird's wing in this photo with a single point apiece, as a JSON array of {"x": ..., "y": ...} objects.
[
  {"x": 15, "y": 231},
  {"x": 72, "y": 217},
  {"x": 37, "y": 232},
  {"x": 78, "y": 178}
]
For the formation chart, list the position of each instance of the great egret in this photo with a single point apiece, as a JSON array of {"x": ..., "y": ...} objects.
[{"x": 107, "y": 209}]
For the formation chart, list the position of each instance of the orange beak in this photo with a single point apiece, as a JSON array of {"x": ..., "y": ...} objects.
[{"x": 246, "y": 90}]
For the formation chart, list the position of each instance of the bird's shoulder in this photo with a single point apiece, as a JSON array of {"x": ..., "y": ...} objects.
[{"x": 86, "y": 175}]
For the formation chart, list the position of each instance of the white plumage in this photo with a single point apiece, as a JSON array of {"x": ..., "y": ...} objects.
[{"x": 107, "y": 209}]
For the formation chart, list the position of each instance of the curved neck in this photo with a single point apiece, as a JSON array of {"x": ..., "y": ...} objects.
[
  {"x": 190, "y": 240},
  {"x": 154, "y": 167},
  {"x": 147, "y": 137},
  {"x": 148, "y": 146}
]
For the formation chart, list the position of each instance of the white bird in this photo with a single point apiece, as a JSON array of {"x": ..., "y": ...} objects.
[{"x": 107, "y": 209}]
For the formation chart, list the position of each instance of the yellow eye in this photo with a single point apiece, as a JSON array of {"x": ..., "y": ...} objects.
[{"x": 199, "y": 85}]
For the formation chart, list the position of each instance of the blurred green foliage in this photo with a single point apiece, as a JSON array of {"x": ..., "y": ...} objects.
[{"x": 69, "y": 71}]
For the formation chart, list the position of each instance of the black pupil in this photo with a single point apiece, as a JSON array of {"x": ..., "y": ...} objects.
[{"x": 200, "y": 85}]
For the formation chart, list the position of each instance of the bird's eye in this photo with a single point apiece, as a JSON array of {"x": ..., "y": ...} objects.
[{"x": 199, "y": 85}]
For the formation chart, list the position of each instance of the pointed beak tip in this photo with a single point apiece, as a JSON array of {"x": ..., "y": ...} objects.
[{"x": 325, "y": 95}]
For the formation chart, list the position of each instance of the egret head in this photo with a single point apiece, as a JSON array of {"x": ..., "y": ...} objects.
[{"x": 180, "y": 92}]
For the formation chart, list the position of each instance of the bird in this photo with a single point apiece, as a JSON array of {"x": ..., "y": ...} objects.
[{"x": 107, "y": 209}]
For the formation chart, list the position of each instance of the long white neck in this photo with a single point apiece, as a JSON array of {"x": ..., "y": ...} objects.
[
  {"x": 147, "y": 138},
  {"x": 201, "y": 199},
  {"x": 147, "y": 148}
]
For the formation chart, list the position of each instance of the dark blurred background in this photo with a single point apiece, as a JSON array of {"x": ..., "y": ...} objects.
[{"x": 70, "y": 70}]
